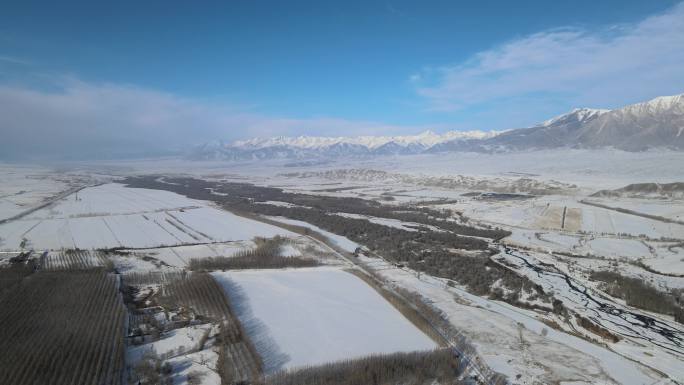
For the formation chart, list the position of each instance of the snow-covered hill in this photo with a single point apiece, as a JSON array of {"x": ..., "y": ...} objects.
[{"x": 658, "y": 123}]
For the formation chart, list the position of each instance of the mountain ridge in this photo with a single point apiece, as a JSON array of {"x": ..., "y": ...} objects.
[{"x": 656, "y": 123}]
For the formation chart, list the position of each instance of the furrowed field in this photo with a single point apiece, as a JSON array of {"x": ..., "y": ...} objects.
[{"x": 66, "y": 328}]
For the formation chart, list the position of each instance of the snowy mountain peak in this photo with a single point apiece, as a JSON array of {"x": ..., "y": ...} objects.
[
  {"x": 661, "y": 104},
  {"x": 674, "y": 103},
  {"x": 579, "y": 115}
]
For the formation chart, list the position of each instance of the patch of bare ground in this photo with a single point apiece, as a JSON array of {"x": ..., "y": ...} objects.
[{"x": 573, "y": 219}]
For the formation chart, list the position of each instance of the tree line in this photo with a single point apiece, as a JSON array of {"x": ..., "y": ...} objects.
[{"x": 440, "y": 366}]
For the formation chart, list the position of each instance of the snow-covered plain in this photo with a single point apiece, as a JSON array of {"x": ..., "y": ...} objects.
[
  {"x": 24, "y": 187},
  {"x": 179, "y": 256},
  {"x": 667, "y": 208},
  {"x": 112, "y": 215},
  {"x": 313, "y": 316},
  {"x": 511, "y": 340}
]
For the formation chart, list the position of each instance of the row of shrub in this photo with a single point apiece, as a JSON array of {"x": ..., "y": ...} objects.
[{"x": 266, "y": 255}]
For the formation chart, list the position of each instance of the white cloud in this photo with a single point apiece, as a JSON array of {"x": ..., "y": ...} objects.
[
  {"x": 610, "y": 67},
  {"x": 83, "y": 119}
]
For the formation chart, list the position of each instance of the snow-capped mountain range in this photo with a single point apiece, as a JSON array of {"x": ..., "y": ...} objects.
[
  {"x": 302, "y": 147},
  {"x": 426, "y": 139},
  {"x": 658, "y": 123}
]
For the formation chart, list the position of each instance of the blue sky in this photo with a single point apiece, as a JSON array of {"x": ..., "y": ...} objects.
[{"x": 229, "y": 70}]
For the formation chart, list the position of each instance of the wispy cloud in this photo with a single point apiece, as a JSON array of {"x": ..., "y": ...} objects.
[
  {"x": 77, "y": 118},
  {"x": 609, "y": 67},
  {"x": 13, "y": 60}
]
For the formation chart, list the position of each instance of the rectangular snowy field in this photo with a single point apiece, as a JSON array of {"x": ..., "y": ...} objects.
[
  {"x": 316, "y": 315},
  {"x": 112, "y": 215}
]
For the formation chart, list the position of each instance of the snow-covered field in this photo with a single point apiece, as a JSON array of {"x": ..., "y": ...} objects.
[
  {"x": 313, "y": 316},
  {"x": 179, "y": 256},
  {"x": 112, "y": 215},
  {"x": 23, "y": 187},
  {"x": 667, "y": 208},
  {"x": 595, "y": 169}
]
